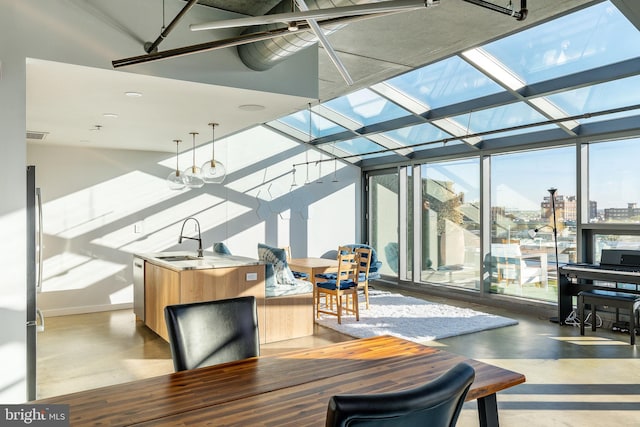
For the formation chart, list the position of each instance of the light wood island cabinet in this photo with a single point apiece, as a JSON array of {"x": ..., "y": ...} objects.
[{"x": 164, "y": 286}]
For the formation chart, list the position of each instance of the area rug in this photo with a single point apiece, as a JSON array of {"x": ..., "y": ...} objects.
[{"x": 413, "y": 319}]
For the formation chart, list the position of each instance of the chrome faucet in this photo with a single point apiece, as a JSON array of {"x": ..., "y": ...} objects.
[{"x": 199, "y": 238}]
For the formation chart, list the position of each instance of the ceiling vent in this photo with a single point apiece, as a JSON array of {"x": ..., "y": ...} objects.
[{"x": 35, "y": 135}]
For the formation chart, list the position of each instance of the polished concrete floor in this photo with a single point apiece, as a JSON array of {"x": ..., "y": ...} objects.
[{"x": 571, "y": 380}]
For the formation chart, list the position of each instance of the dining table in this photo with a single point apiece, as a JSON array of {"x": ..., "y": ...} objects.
[
  {"x": 286, "y": 389},
  {"x": 313, "y": 266}
]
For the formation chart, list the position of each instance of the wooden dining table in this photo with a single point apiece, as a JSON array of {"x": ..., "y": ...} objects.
[
  {"x": 313, "y": 266},
  {"x": 287, "y": 389}
]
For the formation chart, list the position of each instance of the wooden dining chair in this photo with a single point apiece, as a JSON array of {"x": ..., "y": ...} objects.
[
  {"x": 343, "y": 290},
  {"x": 363, "y": 259},
  {"x": 212, "y": 332},
  {"x": 435, "y": 404}
]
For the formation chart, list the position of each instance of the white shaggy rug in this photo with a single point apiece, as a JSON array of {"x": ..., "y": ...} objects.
[{"x": 412, "y": 319}]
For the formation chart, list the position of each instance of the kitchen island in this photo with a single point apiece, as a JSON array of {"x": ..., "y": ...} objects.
[{"x": 181, "y": 277}]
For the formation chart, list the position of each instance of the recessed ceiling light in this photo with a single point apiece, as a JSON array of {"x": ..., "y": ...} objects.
[
  {"x": 251, "y": 107},
  {"x": 133, "y": 94},
  {"x": 110, "y": 115}
]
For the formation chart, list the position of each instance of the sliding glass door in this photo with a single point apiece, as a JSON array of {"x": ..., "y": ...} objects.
[
  {"x": 383, "y": 219},
  {"x": 450, "y": 222}
]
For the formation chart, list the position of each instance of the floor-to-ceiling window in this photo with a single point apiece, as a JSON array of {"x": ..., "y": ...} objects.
[
  {"x": 612, "y": 214},
  {"x": 383, "y": 220},
  {"x": 450, "y": 223},
  {"x": 523, "y": 251},
  {"x": 543, "y": 108}
]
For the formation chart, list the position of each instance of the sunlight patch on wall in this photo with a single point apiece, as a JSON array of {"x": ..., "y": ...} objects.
[
  {"x": 245, "y": 242},
  {"x": 67, "y": 271},
  {"x": 102, "y": 204},
  {"x": 270, "y": 177},
  {"x": 122, "y": 296},
  {"x": 161, "y": 230},
  {"x": 341, "y": 232}
]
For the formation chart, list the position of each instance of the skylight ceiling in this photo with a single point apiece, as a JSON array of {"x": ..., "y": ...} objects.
[{"x": 539, "y": 85}]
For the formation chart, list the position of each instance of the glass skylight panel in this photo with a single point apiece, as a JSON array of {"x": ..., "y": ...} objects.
[
  {"x": 445, "y": 82},
  {"x": 516, "y": 114},
  {"x": 419, "y": 134},
  {"x": 366, "y": 107},
  {"x": 589, "y": 38},
  {"x": 319, "y": 125},
  {"x": 600, "y": 97},
  {"x": 360, "y": 147}
]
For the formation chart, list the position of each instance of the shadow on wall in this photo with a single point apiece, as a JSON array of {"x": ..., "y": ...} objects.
[{"x": 123, "y": 206}]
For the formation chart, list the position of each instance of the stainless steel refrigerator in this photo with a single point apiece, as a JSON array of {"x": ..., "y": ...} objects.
[{"x": 35, "y": 320}]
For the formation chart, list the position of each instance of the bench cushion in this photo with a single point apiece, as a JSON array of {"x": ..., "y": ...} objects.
[{"x": 610, "y": 295}]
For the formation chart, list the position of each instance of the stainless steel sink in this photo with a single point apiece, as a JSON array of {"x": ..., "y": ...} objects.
[{"x": 176, "y": 258}]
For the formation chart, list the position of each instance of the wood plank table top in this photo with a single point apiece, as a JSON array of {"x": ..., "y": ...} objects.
[
  {"x": 313, "y": 266},
  {"x": 313, "y": 263},
  {"x": 284, "y": 389}
]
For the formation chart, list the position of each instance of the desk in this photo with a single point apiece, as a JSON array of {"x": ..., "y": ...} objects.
[
  {"x": 313, "y": 266},
  {"x": 284, "y": 389}
]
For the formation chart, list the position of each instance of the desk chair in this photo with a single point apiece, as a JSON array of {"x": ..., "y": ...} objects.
[
  {"x": 435, "y": 404},
  {"x": 343, "y": 289},
  {"x": 212, "y": 332}
]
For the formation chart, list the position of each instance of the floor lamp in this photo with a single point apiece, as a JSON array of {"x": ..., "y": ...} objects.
[
  {"x": 552, "y": 192},
  {"x": 532, "y": 233}
]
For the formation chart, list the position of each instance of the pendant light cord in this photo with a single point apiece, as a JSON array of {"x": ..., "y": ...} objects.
[
  {"x": 177, "y": 141},
  {"x": 213, "y": 146},
  {"x": 193, "y": 168}
]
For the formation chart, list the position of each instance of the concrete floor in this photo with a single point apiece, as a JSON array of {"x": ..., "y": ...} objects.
[{"x": 571, "y": 380}]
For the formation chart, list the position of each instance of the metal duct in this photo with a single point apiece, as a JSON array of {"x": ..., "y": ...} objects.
[{"x": 263, "y": 55}]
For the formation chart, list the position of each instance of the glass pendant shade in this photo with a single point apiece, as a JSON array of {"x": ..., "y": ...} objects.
[
  {"x": 192, "y": 176},
  {"x": 174, "y": 180},
  {"x": 213, "y": 171}
]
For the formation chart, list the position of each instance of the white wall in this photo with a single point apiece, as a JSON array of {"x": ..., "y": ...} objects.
[
  {"x": 102, "y": 206},
  {"x": 93, "y": 33}
]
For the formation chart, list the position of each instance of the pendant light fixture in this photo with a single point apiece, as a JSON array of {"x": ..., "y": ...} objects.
[
  {"x": 213, "y": 172},
  {"x": 192, "y": 175},
  {"x": 174, "y": 180}
]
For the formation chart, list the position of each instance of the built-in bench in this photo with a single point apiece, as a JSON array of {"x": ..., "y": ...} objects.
[
  {"x": 288, "y": 300},
  {"x": 630, "y": 302}
]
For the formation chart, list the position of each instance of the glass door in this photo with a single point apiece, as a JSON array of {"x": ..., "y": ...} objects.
[{"x": 382, "y": 219}]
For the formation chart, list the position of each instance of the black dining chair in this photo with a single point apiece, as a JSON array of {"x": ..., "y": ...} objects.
[
  {"x": 435, "y": 404},
  {"x": 212, "y": 332}
]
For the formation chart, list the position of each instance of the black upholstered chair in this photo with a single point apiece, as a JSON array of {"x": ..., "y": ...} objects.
[
  {"x": 212, "y": 332},
  {"x": 435, "y": 404}
]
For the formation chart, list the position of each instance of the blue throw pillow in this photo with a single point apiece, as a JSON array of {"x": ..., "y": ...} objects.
[
  {"x": 221, "y": 248},
  {"x": 277, "y": 257}
]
